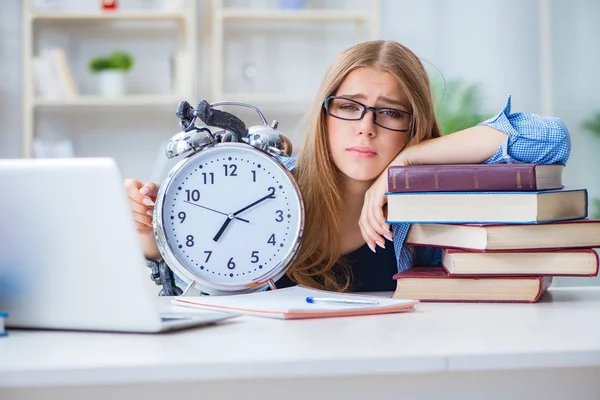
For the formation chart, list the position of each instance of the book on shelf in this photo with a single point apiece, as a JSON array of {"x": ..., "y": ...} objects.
[
  {"x": 3, "y": 317},
  {"x": 580, "y": 233},
  {"x": 474, "y": 177},
  {"x": 291, "y": 303},
  {"x": 487, "y": 207},
  {"x": 430, "y": 284},
  {"x": 572, "y": 262},
  {"x": 52, "y": 76}
]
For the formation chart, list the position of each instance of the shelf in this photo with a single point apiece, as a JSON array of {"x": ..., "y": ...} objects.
[
  {"x": 108, "y": 16},
  {"x": 97, "y": 101},
  {"x": 299, "y": 16},
  {"x": 267, "y": 99}
]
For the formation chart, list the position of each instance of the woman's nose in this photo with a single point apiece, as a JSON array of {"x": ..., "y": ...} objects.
[{"x": 367, "y": 125}]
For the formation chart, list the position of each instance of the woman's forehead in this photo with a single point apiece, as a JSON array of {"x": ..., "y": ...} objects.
[{"x": 372, "y": 84}]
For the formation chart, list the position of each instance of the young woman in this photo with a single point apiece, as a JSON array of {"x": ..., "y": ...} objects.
[{"x": 375, "y": 109}]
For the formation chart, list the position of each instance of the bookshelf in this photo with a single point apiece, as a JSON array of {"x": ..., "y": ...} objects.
[
  {"x": 34, "y": 20},
  {"x": 202, "y": 27}
]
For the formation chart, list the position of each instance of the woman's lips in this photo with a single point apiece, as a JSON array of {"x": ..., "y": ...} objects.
[{"x": 360, "y": 151}]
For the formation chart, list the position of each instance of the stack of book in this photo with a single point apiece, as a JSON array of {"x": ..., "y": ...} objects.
[{"x": 504, "y": 230}]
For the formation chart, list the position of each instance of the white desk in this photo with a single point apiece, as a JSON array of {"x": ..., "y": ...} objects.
[{"x": 549, "y": 350}]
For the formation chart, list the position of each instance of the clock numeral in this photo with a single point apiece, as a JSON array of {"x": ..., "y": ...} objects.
[
  {"x": 271, "y": 239},
  {"x": 253, "y": 175},
  {"x": 230, "y": 170},
  {"x": 192, "y": 195},
  {"x": 279, "y": 217},
  {"x": 189, "y": 241},
  {"x": 254, "y": 258},
  {"x": 181, "y": 216},
  {"x": 271, "y": 190},
  {"x": 209, "y": 178},
  {"x": 208, "y": 254},
  {"x": 230, "y": 263}
]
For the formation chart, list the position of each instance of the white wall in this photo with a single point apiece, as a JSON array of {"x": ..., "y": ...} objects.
[{"x": 492, "y": 42}]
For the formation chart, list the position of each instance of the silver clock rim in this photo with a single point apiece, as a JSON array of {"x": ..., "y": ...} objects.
[{"x": 204, "y": 285}]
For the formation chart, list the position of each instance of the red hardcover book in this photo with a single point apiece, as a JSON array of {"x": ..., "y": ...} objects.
[
  {"x": 434, "y": 284},
  {"x": 529, "y": 262},
  {"x": 474, "y": 177}
]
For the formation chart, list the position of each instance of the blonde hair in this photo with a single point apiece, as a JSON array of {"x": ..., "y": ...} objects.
[{"x": 319, "y": 178}]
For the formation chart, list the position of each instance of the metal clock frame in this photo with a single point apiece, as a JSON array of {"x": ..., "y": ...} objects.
[{"x": 205, "y": 286}]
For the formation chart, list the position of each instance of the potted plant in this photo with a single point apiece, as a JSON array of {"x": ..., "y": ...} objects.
[{"x": 111, "y": 71}]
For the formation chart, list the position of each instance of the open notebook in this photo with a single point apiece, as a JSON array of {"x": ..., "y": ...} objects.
[{"x": 291, "y": 303}]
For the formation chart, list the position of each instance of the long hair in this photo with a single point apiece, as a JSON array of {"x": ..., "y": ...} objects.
[{"x": 318, "y": 177}]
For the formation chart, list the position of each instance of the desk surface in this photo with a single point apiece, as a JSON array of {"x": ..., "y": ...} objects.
[{"x": 563, "y": 330}]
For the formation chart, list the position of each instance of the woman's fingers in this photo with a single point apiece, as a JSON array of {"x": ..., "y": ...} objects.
[
  {"x": 141, "y": 200},
  {"x": 372, "y": 220}
]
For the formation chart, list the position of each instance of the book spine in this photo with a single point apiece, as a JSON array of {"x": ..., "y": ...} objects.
[{"x": 430, "y": 178}]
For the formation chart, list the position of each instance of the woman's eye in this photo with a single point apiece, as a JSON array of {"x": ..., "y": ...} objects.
[
  {"x": 391, "y": 113},
  {"x": 349, "y": 107}
]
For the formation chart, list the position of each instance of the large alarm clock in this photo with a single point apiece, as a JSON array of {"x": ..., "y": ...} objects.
[{"x": 229, "y": 216}]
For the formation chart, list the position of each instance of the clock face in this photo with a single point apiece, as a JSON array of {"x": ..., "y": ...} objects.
[{"x": 231, "y": 216}]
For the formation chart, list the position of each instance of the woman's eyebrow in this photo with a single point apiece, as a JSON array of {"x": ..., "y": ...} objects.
[{"x": 360, "y": 96}]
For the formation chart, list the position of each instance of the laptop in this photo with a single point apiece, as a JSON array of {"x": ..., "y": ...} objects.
[{"x": 70, "y": 257}]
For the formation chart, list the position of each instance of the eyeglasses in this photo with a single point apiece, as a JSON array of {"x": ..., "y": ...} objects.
[{"x": 352, "y": 110}]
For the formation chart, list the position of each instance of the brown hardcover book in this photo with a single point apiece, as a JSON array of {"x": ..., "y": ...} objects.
[
  {"x": 474, "y": 177},
  {"x": 579, "y": 233},
  {"x": 487, "y": 207},
  {"x": 430, "y": 284},
  {"x": 580, "y": 262}
]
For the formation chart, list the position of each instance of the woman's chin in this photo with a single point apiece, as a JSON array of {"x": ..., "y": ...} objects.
[{"x": 362, "y": 176}]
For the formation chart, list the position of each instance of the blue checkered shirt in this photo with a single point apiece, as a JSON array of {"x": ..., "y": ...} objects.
[{"x": 530, "y": 138}]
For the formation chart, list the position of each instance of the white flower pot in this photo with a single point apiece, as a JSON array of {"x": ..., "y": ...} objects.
[{"x": 111, "y": 83}]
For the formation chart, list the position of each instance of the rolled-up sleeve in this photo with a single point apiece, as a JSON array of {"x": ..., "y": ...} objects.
[{"x": 531, "y": 138}]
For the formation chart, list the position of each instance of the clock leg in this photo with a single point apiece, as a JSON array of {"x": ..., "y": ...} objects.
[
  {"x": 272, "y": 284},
  {"x": 188, "y": 288}
]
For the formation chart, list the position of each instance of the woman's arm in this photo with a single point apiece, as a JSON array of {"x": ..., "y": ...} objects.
[
  {"x": 505, "y": 138},
  {"x": 470, "y": 146}
]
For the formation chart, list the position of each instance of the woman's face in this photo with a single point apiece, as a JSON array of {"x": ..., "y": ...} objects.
[{"x": 362, "y": 149}]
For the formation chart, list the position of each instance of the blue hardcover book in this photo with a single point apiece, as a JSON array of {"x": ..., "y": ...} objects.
[
  {"x": 3, "y": 316},
  {"x": 487, "y": 207}
]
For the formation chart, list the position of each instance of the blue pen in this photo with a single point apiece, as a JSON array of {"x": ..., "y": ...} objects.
[{"x": 339, "y": 300}]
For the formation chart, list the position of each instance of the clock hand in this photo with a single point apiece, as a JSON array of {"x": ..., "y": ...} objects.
[
  {"x": 222, "y": 229},
  {"x": 230, "y": 217},
  {"x": 213, "y": 210},
  {"x": 241, "y": 210}
]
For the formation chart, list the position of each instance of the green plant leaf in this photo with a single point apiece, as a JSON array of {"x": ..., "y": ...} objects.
[
  {"x": 117, "y": 60},
  {"x": 593, "y": 123},
  {"x": 457, "y": 105}
]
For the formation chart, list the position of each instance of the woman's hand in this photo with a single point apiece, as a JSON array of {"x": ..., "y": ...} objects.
[
  {"x": 141, "y": 199},
  {"x": 372, "y": 218}
]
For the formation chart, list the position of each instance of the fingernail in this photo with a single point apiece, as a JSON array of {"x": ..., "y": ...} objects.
[
  {"x": 388, "y": 237},
  {"x": 147, "y": 201},
  {"x": 371, "y": 247},
  {"x": 382, "y": 245},
  {"x": 144, "y": 190},
  {"x": 386, "y": 227},
  {"x": 149, "y": 212}
]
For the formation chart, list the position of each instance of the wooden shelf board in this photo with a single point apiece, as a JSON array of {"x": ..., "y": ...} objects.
[
  {"x": 107, "y": 16},
  {"x": 295, "y": 15},
  {"x": 94, "y": 101}
]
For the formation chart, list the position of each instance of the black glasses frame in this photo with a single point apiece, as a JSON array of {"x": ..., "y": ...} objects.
[{"x": 374, "y": 111}]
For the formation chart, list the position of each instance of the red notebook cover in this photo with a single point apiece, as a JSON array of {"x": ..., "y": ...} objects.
[
  {"x": 439, "y": 272},
  {"x": 463, "y": 177}
]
